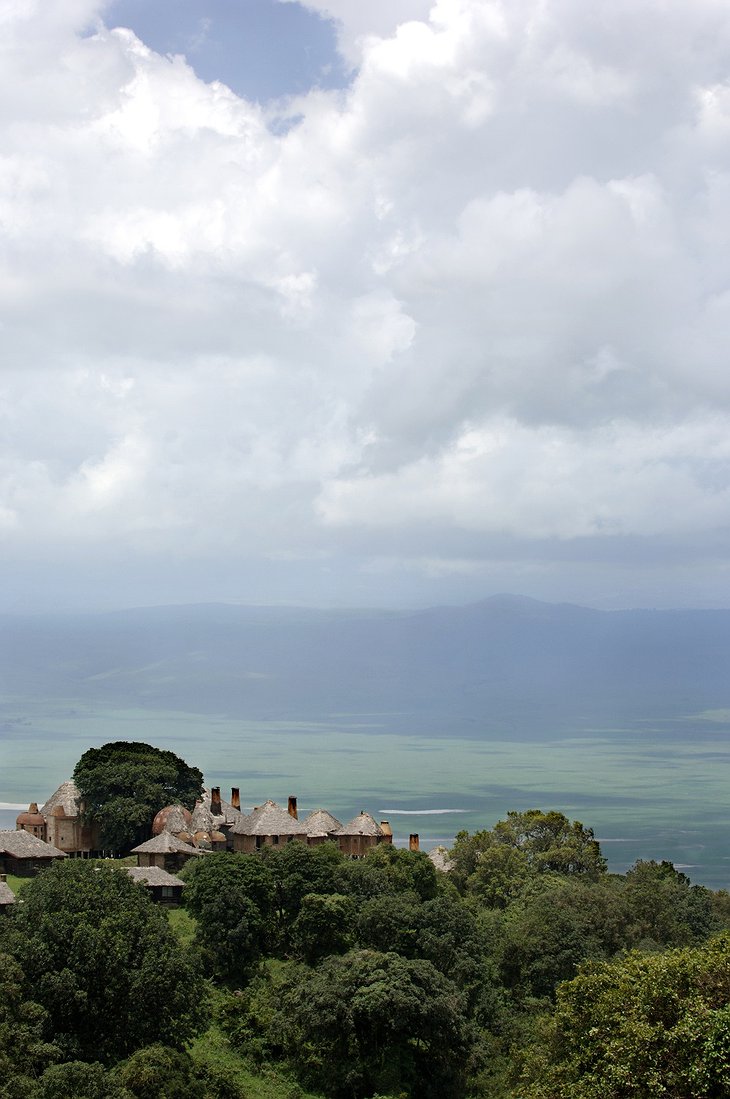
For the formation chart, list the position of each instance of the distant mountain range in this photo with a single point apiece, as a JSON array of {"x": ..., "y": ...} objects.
[{"x": 518, "y": 664}]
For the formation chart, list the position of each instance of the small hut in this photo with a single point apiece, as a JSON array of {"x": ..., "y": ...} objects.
[
  {"x": 441, "y": 859},
  {"x": 320, "y": 826},
  {"x": 162, "y": 887},
  {"x": 165, "y": 851},
  {"x": 24, "y": 854},
  {"x": 32, "y": 821},
  {"x": 359, "y": 836},
  {"x": 224, "y": 814}
]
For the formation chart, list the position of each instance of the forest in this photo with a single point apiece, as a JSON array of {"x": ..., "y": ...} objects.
[{"x": 525, "y": 972}]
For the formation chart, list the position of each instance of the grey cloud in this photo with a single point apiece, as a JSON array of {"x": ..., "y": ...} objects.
[{"x": 472, "y": 309}]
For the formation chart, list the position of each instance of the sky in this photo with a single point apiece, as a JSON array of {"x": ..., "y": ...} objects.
[{"x": 374, "y": 304}]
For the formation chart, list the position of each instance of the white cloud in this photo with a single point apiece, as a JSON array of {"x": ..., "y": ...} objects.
[{"x": 482, "y": 293}]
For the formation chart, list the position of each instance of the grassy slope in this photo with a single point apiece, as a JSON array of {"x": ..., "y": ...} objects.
[{"x": 212, "y": 1046}]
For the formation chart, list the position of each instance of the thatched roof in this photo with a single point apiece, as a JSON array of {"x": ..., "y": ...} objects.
[
  {"x": 153, "y": 875},
  {"x": 361, "y": 825},
  {"x": 6, "y": 894},
  {"x": 202, "y": 819},
  {"x": 173, "y": 818},
  {"x": 320, "y": 822},
  {"x": 269, "y": 820},
  {"x": 66, "y": 797},
  {"x": 439, "y": 856},
  {"x": 165, "y": 844},
  {"x": 24, "y": 845}
]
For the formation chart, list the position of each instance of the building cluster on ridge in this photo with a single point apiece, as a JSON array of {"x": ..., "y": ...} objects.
[{"x": 58, "y": 830}]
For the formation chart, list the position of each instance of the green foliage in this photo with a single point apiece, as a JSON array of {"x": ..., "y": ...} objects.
[
  {"x": 24, "y": 1052},
  {"x": 80, "y": 1080},
  {"x": 496, "y": 865},
  {"x": 296, "y": 871},
  {"x": 441, "y": 930},
  {"x": 399, "y": 871},
  {"x": 232, "y": 898},
  {"x": 323, "y": 926},
  {"x": 103, "y": 962},
  {"x": 123, "y": 785},
  {"x": 556, "y": 924},
  {"x": 369, "y": 1021},
  {"x": 159, "y": 1072},
  {"x": 646, "y": 1026},
  {"x": 665, "y": 908}
]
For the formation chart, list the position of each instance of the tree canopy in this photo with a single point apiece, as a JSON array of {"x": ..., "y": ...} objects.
[
  {"x": 645, "y": 1026},
  {"x": 497, "y": 864},
  {"x": 124, "y": 783},
  {"x": 368, "y": 1021},
  {"x": 100, "y": 958}
]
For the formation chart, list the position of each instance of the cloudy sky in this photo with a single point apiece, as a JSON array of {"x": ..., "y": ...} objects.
[{"x": 333, "y": 302}]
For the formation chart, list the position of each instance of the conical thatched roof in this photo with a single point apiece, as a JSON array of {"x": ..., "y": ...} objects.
[
  {"x": 66, "y": 797},
  {"x": 268, "y": 820},
  {"x": 202, "y": 820},
  {"x": 439, "y": 856},
  {"x": 165, "y": 844},
  {"x": 361, "y": 825},
  {"x": 320, "y": 822}
]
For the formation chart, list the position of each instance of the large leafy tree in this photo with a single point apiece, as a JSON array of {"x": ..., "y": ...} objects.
[
  {"x": 497, "y": 864},
  {"x": 232, "y": 897},
  {"x": 24, "y": 1050},
  {"x": 124, "y": 783},
  {"x": 665, "y": 909},
  {"x": 369, "y": 1022},
  {"x": 100, "y": 958},
  {"x": 646, "y": 1026}
]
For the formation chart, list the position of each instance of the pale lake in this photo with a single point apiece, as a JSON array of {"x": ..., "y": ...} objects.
[{"x": 649, "y": 789}]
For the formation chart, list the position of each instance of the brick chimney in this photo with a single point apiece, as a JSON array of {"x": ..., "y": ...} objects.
[
  {"x": 215, "y": 802},
  {"x": 235, "y": 797},
  {"x": 292, "y": 808},
  {"x": 414, "y": 843}
]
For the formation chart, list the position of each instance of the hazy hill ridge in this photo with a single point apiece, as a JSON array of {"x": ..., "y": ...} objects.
[{"x": 510, "y": 659}]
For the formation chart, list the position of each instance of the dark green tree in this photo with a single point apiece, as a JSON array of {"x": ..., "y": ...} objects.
[
  {"x": 646, "y": 1026},
  {"x": 233, "y": 900},
  {"x": 123, "y": 784},
  {"x": 80, "y": 1080},
  {"x": 394, "y": 869},
  {"x": 324, "y": 926},
  {"x": 368, "y": 1022},
  {"x": 158, "y": 1072},
  {"x": 557, "y": 923},
  {"x": 102, "y": 961},
  {"x": 496, "y": 865},
  {"x": 24, "y": 1050},
  {"x": 665, "y": 909},
  {"x": 296, "y": 871}
]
